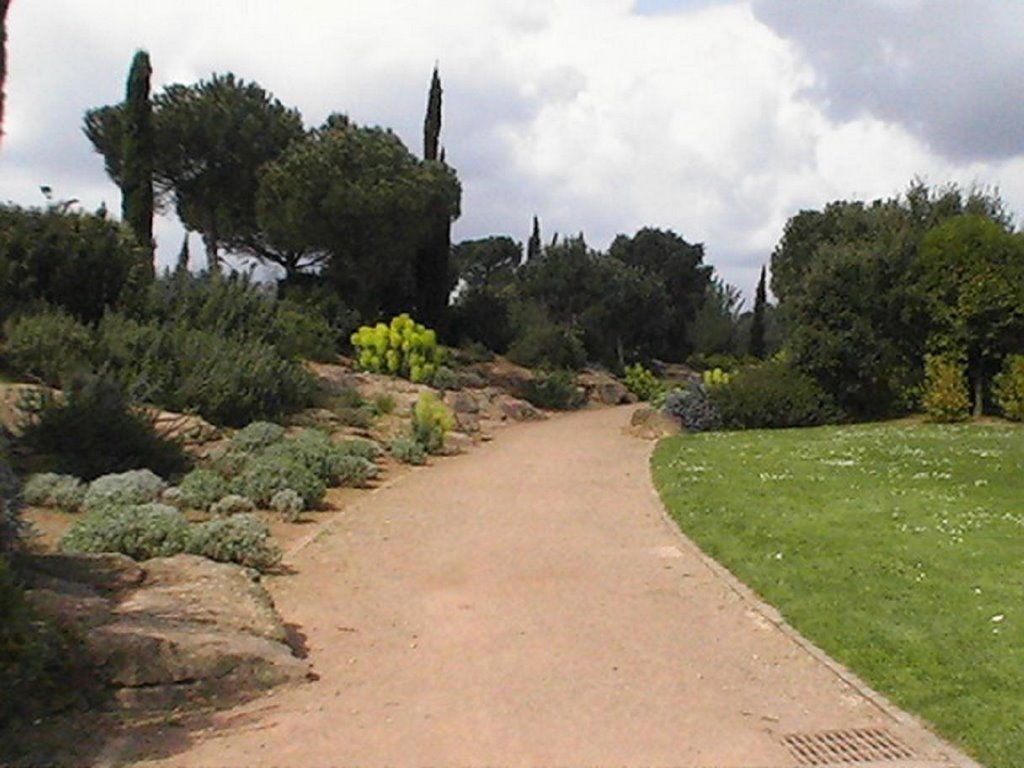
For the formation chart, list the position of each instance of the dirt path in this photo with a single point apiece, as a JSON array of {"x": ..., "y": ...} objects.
[{"x": 528, "y": 605}]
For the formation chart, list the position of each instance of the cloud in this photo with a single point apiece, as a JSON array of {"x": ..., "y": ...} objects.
[
  {"x": 947, "y": 71},
  {"x": 718, "y": 119}
]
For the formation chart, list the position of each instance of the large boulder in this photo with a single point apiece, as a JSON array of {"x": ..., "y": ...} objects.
[
  {"x": 169, "y": 629},
  {"x": 604, "y": 389}
]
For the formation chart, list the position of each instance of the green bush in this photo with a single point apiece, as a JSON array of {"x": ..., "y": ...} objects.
[
  {"x": 243, "y": 539},
  {"x": 694, "y": 409},
  {"x": 1009, "y": 388},
  {"x": 140, "y": 531},
  {"x": 945, "y": 397},
  {"x": 546, "y": 345},
  {"x": 446, "y": 379},
  {"x": 49, "y": 347},
  {"x": 12, "y": 527},
  {"x": 303, "y": 333},
  {"x": 364, "y": 449},
  {"x": 431, "y": 422},
  {"x": 333, "y": 464},
  {"x": 642, "y": 383},
  {"x": 289, "y": 504},
  {"x": 93, "y": 431},
  {"x": 265, "y": 475},
  {"x": 256, "y": 436},
  {"x": 408, "y": 451},
  {"x": 404, "y": 348},
  {"x": 201, "y": 488},
  {"x": 123, "y": 489},
  {"x": 48, "y": 489},
  {"x": 554, "y": 390},
  {"x": 773, "y": 395},
  {"x": 384, "y": 403},
  {"x": 231, "y": 505}
]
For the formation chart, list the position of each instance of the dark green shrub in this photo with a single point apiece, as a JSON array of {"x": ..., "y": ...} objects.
[
  {"x": 48, "y": 489},
  {"x": 773, "y": 395},
  {"x": 79, "y": 262},
  {"x": 50, "y": 346},
  {"x": 554, "y": 390},
  {"x": 93, "y": 431},
  {"x": 140, "y": 531},
  {"x": 408, "y": 451},
  {"x": 265, "y": 475},
  {"x": 12, "y": 527},
  {"x": 303, "y": 333},
  {"x": 201, "y": 488},
  {"x": 243, "y": 539},
  {"x": 546, "y": 345},
  {"x": 694, "y": 409},
  {"x": 1009, "y": 388}
]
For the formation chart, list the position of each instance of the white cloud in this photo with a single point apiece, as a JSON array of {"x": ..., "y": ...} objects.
[{"x": 701, "y": 118}]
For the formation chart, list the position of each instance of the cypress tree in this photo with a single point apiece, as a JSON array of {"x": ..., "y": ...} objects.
[
  {"x": 533, "y": 244},
  {"x": 4, "y": 5},
  {"x": 432, "y": 122},
  {"x": 137, "y": 153},
  {"x": 757, "y": 343},
  {"x": 183, "y": 256}
]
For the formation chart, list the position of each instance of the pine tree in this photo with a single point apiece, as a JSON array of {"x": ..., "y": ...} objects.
[
  {"x": 137, "y": 154},
  {"x": 4, "y": 5},
  {"x": 533, "y": 244},
  {"x": 757, "y": 342}
]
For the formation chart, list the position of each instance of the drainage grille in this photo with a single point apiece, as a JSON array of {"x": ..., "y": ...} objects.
[{"x": 860, "y": 745}]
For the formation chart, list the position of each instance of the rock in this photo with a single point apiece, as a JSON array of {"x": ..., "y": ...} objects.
[
  {"x": 505, "y": 375},
  {"x": 513, "y": 409},
  {"x": 652, "y": 424},
  {"x": 468, "y": 422},
  {"x": 169, "y": 628},
  {"x": 457, "y": 442},
  {"x": 462, "y": 402},
  {"x": 190, "y": 429},
  {"x": 604, "y": 388}
]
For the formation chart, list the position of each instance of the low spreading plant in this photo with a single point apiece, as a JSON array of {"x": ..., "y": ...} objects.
[
  {"x": 231, "y": 505},
  {"x": 201, "y": 488},
  {"x": 408, "y": 451},
  {"x": 256, "y": 436},
  {"x": 642, "y": 382},
  {"x": 265, "y": 475},
  {"x": 289, "y": 504},
  {"x": 404, "y": 348},
  {"x": 693, "y": 408},
  {"x": 446, "y": 379},
  {"x": 140, "y": 531},
  {"x": 945, "y": 397},
  {"x": 48, "y": 489},
  {"x": 432, "y": 420},
  {"x": 1009, "y": 388},
  {"x": 243, "y": 539},
  {"x": 138, "y": 486},
  {"x": 364, "y": 449}
]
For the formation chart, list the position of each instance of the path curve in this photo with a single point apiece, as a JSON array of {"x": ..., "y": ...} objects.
[{"x": 528, "y": 604}]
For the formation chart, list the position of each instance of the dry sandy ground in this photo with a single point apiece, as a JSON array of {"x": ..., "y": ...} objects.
[{"x": 529, "y": 605}]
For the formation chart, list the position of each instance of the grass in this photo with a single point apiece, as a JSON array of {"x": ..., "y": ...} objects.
[{"x": 899, "y": 549}]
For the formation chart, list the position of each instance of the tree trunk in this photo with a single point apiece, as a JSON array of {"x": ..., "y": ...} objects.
[
  {"x": 979, "y": 391},
  {"x": 4, "y": 5},
  {"x": 212, "y": 259}
]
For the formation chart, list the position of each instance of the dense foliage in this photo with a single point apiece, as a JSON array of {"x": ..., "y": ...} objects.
[
  {"x": 772, "y": 395},
  {"x": 403, "y": 348}
]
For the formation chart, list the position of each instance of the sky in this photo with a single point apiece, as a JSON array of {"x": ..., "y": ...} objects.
[{"x": 716, "y": 119}]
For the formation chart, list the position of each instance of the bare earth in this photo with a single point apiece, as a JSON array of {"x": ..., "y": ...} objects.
[{"x": 528, "y": 604}]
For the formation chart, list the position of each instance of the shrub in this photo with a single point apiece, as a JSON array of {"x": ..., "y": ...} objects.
[
  {"x": 243, "y": 539},
  {"x": 446, "y": 379},
  {"x": 554, "y": 390},
  {"x": 403, "y": 348},
  {"x": 201, "y": 488},
  {"x": 1009, "y": 388},
  {"x": 49, "y": 489},
  {"x": 546, "y": 345},
  {"x": 384, "y": 403},
  {"x": 694, "y": 409},
  {"x": 232, "y": 504},
  {"x": 333, "y": 464},
  {"x": 12, "y": 527},
  {"x": 772, "y": 395},
  {"x": 408, "y": 451},
  {"x": 126, "y": 488},
  {"x": 289, "y": 504},
  {"x": 140, "y": 531},
  {"x": 49, "y": 347},
  {"x": 945, "y": 397},
  {"x": 716, "y": 377},
  {"x": 256, "y": 436},
  {"x": 364, "y": 449},
  {"x": 431, "y": 421},
  {"x": 265, "y": 475},
  {"x": 93, "y": 431},
  {"x": 642, "y": 383},
  {"x": 301, "y": 332}
]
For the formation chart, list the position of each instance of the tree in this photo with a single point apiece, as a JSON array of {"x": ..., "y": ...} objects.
[
  {"x": 432, "y": 269},
  {"x": 4, "y": 6},
  {"x": 971, "y": 273},
  {"x": 137, "y": 151},
  {"x": 757, "y": 328},
  {"x": 714, "y": 329},
  {"x": 489, "y": 263},
  {"x": 679, "y": 266},
  {"x": 211, "y": 141},
  {"x": 533, "y": 246},
  {"x": 355, "y": 202}
]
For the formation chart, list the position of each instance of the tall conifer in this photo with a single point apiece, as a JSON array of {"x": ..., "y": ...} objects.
[
  {"x": 757, "y": 342},
  {"x": 137, "y": 154},
  {"x": 533, "y": 244},
  {"x": 4, "y": 5}
]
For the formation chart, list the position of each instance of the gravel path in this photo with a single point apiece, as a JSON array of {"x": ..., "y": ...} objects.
[{"x": 528, "y": 604}]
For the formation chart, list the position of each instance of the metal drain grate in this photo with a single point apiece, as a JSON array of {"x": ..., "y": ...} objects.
[{"x": 860, "y": 745}]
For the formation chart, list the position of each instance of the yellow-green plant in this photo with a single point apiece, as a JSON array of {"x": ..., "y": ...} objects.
[
  {"x": 945, "y": 389},
  {"x": 642, "y": 383},
  {"x": 716, "y": 377},
  {"x": 431, "y": 421},
  {"x": 404, "y": 348},
  {"x": 1009, "y": 388}
]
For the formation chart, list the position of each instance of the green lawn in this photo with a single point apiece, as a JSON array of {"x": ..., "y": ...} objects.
[{"x": 899, "y": 549}]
